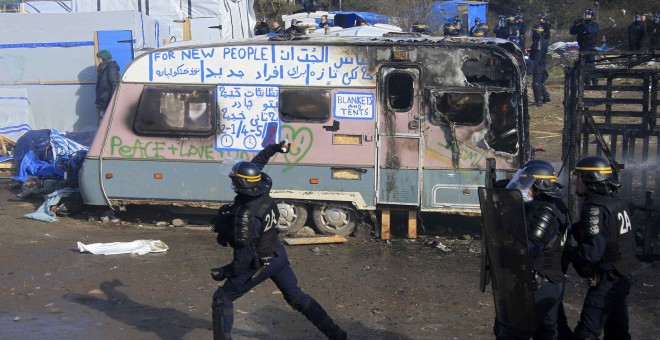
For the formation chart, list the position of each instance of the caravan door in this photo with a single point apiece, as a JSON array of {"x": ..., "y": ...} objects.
[{"x": 399, "y": 161}]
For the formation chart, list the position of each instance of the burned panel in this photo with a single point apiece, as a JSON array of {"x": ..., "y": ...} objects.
[{"x": 444, "y": 66}]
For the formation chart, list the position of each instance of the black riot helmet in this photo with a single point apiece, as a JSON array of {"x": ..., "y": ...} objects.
[
  {"x": 589, "y": 14},
  {"x": 543, "y": 173},
  {"x": 597, "y": 173},
  {"x": 247, "y": 179}
]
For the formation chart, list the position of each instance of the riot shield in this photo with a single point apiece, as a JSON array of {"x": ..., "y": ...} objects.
[{"x": 505, "y": 234}]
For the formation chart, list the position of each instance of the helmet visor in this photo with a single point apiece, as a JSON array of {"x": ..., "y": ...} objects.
[{"x": 521, "y": 181}]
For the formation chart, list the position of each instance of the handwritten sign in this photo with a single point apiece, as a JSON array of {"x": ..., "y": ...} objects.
[
  {"x": 354, "y": 105},
  {"x": 270, "y": 64},
  {"x": 249, "y": 118}
]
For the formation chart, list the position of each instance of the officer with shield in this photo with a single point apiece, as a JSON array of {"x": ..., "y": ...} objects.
[
  {"x": 605, "y": 251},
  {"x": 249, "y": 226},
  {"x": 548, "y": 226}
]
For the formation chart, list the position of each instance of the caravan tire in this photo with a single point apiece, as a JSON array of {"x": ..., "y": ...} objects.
[
  {"x": 293, "y": 216},
  {"x": 334, "y": 219}
]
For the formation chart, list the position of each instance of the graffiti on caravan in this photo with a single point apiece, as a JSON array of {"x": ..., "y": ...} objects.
[
  {"x": 274, "y": 64},
  {"x": 249, "y": 118}
]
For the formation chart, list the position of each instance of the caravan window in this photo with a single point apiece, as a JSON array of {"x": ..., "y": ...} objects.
[
  {"x": 399, "y": 88},
  {"x": 305, "y": 105},
  {"x": 185, "y": 110},
  {"x": 459, "y": 108}
]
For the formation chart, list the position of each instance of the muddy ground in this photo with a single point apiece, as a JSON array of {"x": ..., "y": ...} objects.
[{"x": 374, "y": 290}]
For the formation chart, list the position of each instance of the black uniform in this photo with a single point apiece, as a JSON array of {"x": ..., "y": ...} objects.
[
  {"x": 249, "y": 225},
  {"x": 537, "y": 56},
  {"x": 605, "y": 254},
  {"x": 546, "y": 30},
  {"x": 547, "y": 230},
  {"x": 501, "y": 31},
  {"x": 262, "y": 29},
  {"x": 586, "y": 32},
  {"x": 655, "y": 35},
  {"x": 636, "y": 36}
]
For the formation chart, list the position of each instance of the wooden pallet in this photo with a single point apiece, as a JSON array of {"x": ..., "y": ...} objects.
[{"x": 6, "y": 144}]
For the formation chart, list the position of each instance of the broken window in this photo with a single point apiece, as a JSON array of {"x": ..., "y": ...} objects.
[
  {"x": 503, "y": 130},
  {"x": 399, "y": 91},
  {"x": 458, "y": 108},
  {"x": 305, "y": 105},
  {"x": 183, "y": 110}
]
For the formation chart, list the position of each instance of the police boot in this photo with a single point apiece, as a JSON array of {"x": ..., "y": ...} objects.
[{"x": 331, "y": 330}]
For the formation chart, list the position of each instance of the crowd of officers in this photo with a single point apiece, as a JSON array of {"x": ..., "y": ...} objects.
[{"x": 600, "y": 247}]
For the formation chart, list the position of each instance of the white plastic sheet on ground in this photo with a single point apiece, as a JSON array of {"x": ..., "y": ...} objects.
[{"x": 139, "y": 247}]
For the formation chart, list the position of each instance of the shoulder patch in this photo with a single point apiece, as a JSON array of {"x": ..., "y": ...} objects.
[{"x": 594, "y": 221}]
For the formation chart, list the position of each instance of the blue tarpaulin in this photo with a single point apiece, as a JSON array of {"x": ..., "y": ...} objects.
[{"x": 349, "y": 19}]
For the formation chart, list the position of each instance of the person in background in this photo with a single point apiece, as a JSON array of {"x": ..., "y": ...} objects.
[
  {"x": 605, "y": 253},
  {"x": 502, "y": 30},
  {"x": 477, "y": 24},
  {"x": 537, "y": 58},
  {"x": 249, "y": 226},
  {"x": 107, "y": 78},
  {"x": 324, "y": 22},
  {"x": 543, "y": 20},
  {"x": 294, "y": 29},
  {"x": 262, "y": 27},
  {"x": 655, "y": 33},
  {"x": 522, "y": 29},
  {"x": 277, "y": 28},
  {"x": 636, "y": 32},
  {"x": 586, "y": 31}
]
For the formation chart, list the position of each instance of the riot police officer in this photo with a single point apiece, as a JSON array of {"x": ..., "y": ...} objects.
[
  {"x": 513, "y": 31},
  {"x": 655, "y": 32},
  {"x": 548, "y": 226},
  {"x": 605, "y": 251},
  {"x": 522, "y": 29},
  {"x": 636, "y": 32},
  {"x": 537, "y": 57},
  {"x": 262, "y": 28},
  {"x": 543, "y": 20},
  {"x": 453, "y": 28},
  {"x": 586, "y": 31},
  {"x": 501, "y": 31},
  {"x": 477, "y": 26},
  {"x": 249, "y": 225}
]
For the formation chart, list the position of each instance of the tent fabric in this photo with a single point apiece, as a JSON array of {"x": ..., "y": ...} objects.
[
  {"x": 15, "y": 112},
  {"x": 49, "y": 75},
  {"x": 46, "y": 6}
]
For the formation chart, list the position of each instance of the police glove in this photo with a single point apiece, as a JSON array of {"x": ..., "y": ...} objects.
[
  {"x": 218, "y": 274},
  {"x": 282, "y": 147}
]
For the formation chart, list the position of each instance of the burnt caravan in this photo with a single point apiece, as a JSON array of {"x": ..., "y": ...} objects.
[{"x": 398, "y": 120}]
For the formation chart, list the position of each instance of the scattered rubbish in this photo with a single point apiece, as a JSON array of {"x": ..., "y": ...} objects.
[
  {"x": 437, "y": 244},
  {"x": 315, "y": 240},
  {"x": 139, "y": 247},
  {"x": 161, "y": 224},
  {"x": 16, "y": 318},
  {"x": 44, "y": 212},
  {"x": 316, "y": 250},
  {"x": 95, "y": 292},
  {"x": 178, "y": 222},
  {"x": 105, "y": 219},
  {"x": 305, "y": 232},
  {"x": 366, "y": 268},
  {"x": 648, "y": 285},
  {"x": 387, "y": 242}
]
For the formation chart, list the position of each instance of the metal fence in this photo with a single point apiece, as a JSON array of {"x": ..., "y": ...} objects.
[{"x": 611, "y": 110}]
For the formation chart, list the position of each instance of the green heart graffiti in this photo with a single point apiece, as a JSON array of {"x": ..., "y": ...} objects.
[{"x": 301, "y": 141}]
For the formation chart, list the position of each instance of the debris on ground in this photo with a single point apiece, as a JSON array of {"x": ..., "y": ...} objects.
[
  {"x": 305, "y": 232},
  {"x": 314, "y": 240},
  {"x": 139, "y": 247}
]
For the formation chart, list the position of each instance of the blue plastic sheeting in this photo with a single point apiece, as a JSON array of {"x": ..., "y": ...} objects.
[
  {"x": 49, "y": 155},
  {"x": 349, "y": 19}
]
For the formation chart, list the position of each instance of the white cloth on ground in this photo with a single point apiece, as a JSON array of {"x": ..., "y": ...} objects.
[
  {"x": 139, "y": 247},
  {"x": 43, "y": 213}
]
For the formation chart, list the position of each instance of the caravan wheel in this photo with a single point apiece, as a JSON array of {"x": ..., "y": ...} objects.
[
  {"x": 293, "y": 216},
  {"x": 334, "y": 220}
]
